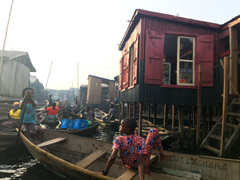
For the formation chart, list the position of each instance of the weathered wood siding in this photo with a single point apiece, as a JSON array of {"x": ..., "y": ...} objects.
[
  {"x": 14, "y": 78},
  {"x": 94, "y": 90}
]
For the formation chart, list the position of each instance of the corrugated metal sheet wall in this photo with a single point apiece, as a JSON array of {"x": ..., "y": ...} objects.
[{"x": 14, "y": 78}]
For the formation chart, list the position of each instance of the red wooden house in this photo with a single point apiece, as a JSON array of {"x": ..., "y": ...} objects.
[{"x": 161, "y": 55}]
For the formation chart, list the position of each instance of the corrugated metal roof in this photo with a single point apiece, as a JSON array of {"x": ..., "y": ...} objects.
[
  {"x": 15, "y": 55},
  {"x": 140, "y": 13}
]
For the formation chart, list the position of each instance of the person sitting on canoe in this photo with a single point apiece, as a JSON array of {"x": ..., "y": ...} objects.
[
  {"x": 13, "y": 118},
  {"x": 88, "y": 114},
  {"x": 29, "y": 122},
  {"x": 52, "y": 113},
  {"x": 111, "y": 113},
  {"x": 134, "y": 150}
]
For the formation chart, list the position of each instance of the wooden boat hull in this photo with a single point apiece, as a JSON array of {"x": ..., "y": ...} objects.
[
  {"x": 62, "y": 157},
  {"x": 88, "y": 132}
]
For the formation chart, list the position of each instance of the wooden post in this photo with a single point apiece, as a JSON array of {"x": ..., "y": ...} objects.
[
  {"x": 164, "y": 115},
  {"x": 140, "y": 120},
  {"x": 194, "y": 116},
  {"x": 204, "y": 121},
  {"x": 173, "y": 117},
  {"x": 149, "y": 111},
  {"x": 199, "y": 105},
  {"x": 134, "y": 110},
  {"x": 210, "y": 118},
  {"x": 225, "y": 104},
  {"x": 128, "y": 111},
  {"x": 121, "y": 110},
  {"x": 155, "y": 114},
  {"x": 180, "y": 126}
]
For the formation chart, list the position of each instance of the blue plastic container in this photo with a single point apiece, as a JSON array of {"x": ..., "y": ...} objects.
[
  {"x": 80, "y": 124},
  {"x": 71, "y": 123},
  {"x": 64, "y": 123}
]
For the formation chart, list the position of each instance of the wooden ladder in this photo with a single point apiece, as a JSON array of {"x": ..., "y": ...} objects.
[{"x": 213, "y": 140}]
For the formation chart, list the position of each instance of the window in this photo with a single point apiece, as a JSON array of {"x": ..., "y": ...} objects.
[
  {"x": 131, "y": 65},
  {"x": 185, "y": 63},
  {"x": 178, "y": 60}
]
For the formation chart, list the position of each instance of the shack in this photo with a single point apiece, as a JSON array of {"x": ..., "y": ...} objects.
[
  {"x": 15, "y": 73},
  {"x": 100, "y": 92},
  {"x": 177, "y": 63}
]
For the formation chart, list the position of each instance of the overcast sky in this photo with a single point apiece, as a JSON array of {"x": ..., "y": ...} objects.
[{"x": 88, "y": 32}]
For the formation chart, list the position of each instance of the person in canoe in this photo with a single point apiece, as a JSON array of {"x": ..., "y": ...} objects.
[
  {"x": 111, "y": 113},
  {"x": 88, "y": 114},
  {"x": 52, "y": 112},
  {"x": 13, "y": 118},
  {"x": 29, "y": 122},
  {"x": 134, "y": 150}
]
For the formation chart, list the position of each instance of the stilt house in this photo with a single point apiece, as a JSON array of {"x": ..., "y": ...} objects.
[
  {"x": 14, "y": 74},
  {"x": 170, "y": 60}
]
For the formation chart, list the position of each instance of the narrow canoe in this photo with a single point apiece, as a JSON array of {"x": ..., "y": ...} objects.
[
  {"x": 77, "y": 157},
  {"x": 88, "y": 132}
]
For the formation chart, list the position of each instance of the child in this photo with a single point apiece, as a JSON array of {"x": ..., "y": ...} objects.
[
  {"x": 29, "y": 124},
  {"x": 134, "y": 150}
]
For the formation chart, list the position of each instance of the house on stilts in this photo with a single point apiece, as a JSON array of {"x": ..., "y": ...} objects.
[{"x": 187, "y": 66}]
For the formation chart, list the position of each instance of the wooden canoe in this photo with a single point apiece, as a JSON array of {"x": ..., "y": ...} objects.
[
  {"x": 77, "y": 157},
  {"x": 88, "y": 132}
]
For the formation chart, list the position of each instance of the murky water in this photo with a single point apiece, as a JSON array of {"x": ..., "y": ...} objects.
[{"x": 17, "y": 163}]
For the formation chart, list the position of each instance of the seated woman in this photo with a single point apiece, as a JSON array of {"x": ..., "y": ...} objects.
[
  {"x": 13, "y": 118},
  {"x": 52, "y": 113}
]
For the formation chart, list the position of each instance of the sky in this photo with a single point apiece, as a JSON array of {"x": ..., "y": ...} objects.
[{"x": 87, "y": 33}]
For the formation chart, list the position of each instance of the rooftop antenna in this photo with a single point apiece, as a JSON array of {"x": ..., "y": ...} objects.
[{"x": 1, "y": 60}]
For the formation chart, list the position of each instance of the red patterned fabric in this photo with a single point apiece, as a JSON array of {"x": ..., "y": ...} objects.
[{"x": 132, "y": 145}]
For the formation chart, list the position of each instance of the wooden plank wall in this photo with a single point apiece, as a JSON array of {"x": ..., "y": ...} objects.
[
  {"x": 111, "y": 90},
  {"x": 14, "y": 78},
  {"x": 94, "y": 90}
]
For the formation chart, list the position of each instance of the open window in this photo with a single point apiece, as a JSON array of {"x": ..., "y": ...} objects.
[{"x": 178, "y": 61}]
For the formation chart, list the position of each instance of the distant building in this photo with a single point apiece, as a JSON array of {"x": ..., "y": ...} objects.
[
  {"x": 38, "y": 88},
  {"x": 15, "y": 73}
]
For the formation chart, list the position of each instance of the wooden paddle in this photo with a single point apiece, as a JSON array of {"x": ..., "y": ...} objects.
[{"x": 21, "y": 120}]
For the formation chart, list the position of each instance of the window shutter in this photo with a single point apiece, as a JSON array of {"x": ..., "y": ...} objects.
[
  {"x": 205, "y": 57},
  {"x": 154, "y": 57},
  {"x": 125, "y": 70},
  {"x": 135, "y": 61},
  {"x": 120, "y": 74}
]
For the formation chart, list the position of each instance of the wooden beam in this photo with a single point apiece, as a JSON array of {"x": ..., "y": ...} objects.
[
  {"x": 134, "y": 110},
  {"x": 131, "y": 173},
  {"x": 121, "y": 110},
  {"x": 51, "y": 142},
  {"x": 233, "y": 54},
  {"x": 140, "y": 119},
  {"x": 149, "y": 111},
  {"x": 180, "y": 125},
  {"x": 199, "y": 104},
  {"x": 164, "y": 115},
  {"x": 173, "y": 117},
  {"x": 154, "y": 114},
  {"x": 87, "y": 161},
  {"x": 225, "y": 102}
]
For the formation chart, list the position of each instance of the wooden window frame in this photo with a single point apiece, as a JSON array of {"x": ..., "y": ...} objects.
[{"x": 184, "y": 60}]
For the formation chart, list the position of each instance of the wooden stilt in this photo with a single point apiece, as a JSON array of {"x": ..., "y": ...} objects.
[
  {"x": 129, "y": 110},
  {"x": 164, "y": 115},
  {"x": 155, "y": 114},
  {"x": 149, "y": 111},
  {"x": 204, "y": 121},
  {"x": 173, "y": 117},
  {"x": 224, "y": 109},
  {"x": 121, "y": 111},
  {"x": 210, "y": 118},
  {"x": 194, "y": 116},
  {"x": 199, "y": 104},
  {"x": 134, "y": 110},
  {"x": 140, "y": 120},
  {"x": 180, "y": 126}
]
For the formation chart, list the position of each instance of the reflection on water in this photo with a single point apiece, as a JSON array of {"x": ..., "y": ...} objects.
[{"x": 17, "y": 163}]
